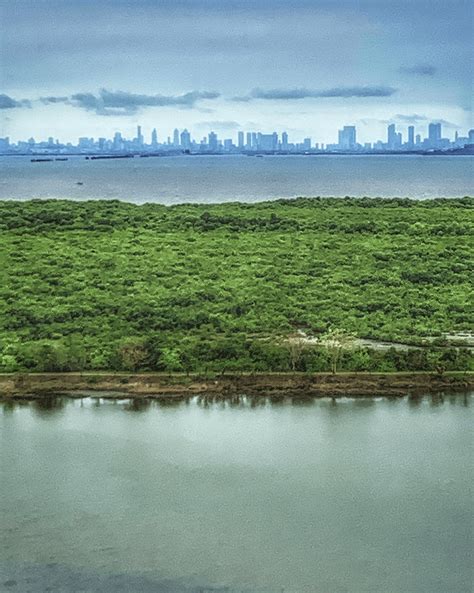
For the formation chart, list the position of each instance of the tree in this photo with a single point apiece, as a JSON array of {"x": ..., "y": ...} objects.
[
  {"x": 296, "y": 347},
  {"x": 336, "y": 341},
  {"x": 171, "y": 359},
  {"x": 133, "y": 353}
]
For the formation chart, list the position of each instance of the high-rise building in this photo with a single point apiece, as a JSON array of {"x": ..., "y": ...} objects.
[
  {"x": 176, "y": 137},
  {"x": 267, "y": 142},
  {"x": 228, "y": 144},
  {"x": 185, "y": 139},
  {"x": 240, "y": 141},
  {"x": 139, "y": 136},
  {"x": 213, "y": 142},
  {"x": 284, "y": 141},
  {"x": 411, "y": 136},
  {"x": 307, "y": 144},
  {"x": 118, "y": 142},
  {"x": 248, "y": 144},
  {"x": 434, "y": 134},
  {"x": 254, "y": 141},
  {"x": 391, "y": 137},
  {"x": 154, "y": 138},
  {"x": 347, "y": 138}
]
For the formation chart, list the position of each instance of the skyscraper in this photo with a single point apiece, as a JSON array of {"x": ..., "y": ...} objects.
[
  {"x": 411, "y": 136},
  {"x": 176, "y": 137},
  {"x": 240, "y": 141},
  {"x": 139, "y": 136},
  {"x": 391, "y": 137},
  {"x": 118, "y": 143},
  {"x": 434, "y": 134},
  {"x": 248, "y": 144},
  {"x": 154, "y": 138},
  {"x": 347, "y": 138},
  {"x": 185, "y": 140},
  {"x": 212, "y": 141}
]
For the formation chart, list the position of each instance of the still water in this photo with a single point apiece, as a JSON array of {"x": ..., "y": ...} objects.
[
  {"x": 170, "y": 180},
  {"x": 356, "y": 496}
]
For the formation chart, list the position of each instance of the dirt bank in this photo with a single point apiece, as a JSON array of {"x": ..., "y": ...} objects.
[{"x": 164, "y": 385}]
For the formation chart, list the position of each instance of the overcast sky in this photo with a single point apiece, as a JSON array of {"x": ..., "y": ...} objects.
[{"x": 74, "y": 68}]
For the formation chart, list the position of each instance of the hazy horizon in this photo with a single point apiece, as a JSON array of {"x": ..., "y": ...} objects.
[{"x": 86, "y": 68}]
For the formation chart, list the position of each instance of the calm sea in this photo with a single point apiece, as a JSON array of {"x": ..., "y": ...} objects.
[
  {"x": 170, "y": 180},
  {"x": 352, "y": 496}
]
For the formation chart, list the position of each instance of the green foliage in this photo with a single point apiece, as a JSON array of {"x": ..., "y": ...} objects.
[{"x": 109, "y": 285}]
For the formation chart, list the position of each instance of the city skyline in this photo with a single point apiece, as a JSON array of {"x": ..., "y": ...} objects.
[
  {"x": 229, "y": 66},
  {"x": 181, "y": 140}
]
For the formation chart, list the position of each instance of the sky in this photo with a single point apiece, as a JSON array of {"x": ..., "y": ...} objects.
[{"x": 71, "y": 68}]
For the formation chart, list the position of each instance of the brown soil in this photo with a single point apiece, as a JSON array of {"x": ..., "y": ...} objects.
[{"x": 159, "y": 385}]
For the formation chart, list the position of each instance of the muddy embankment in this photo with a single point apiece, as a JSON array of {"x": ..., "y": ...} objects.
[{"x": 156, "y": 385}]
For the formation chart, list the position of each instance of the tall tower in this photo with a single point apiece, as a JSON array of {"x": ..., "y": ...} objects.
[
  {"x": 213, "y": 142},
  {"x": 185, "y": 139},
  {"x": 154, "y": 138},
  {"x": 391, "y": 136},
  {"x": 240, "y": 141},
  {"x": 176, "y": 137},
  {"x": 139, "y": 136},
  {"x": 434, "y": 134},
  {"x": 347, "y": 138},
  {"x": 411, "y": 136},
  {"x": 248, "y": 145}
]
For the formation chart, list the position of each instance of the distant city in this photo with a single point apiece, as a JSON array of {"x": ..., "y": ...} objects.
[{"x": 245, "y": 143}]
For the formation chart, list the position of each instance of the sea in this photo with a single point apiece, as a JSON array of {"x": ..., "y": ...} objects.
[{"x": 211, "y": 179}]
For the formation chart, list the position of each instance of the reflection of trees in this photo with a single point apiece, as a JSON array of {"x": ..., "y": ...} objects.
[
  {"x": 138, "y": 404},
  {"x": 414, "y": 400},
  {"x": 49, "y": 404}
]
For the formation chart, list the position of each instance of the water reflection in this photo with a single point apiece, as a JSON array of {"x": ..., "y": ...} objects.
[
  {"x": 414, "y": 400},
  {"x": 137, "y": 404},
  {"x": 51, "y": 404}
]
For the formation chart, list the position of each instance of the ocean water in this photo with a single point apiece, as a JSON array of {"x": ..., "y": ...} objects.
[
  {"x": 170, "y": 180},
  {"x": 352, "y": 496}
]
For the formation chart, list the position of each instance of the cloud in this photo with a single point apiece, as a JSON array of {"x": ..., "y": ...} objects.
[
  {"x": 419, "y": 70},
  {"x": 53, "y": 100},
  {"x": 416, "y": 118},
  {"x": 409, "y": 119},
  {"x": 219, "y": 125},
  {"x": 302, "y": 93},
  {"x": 125, "y": 103},
  {"x": 7, "y": 102}
]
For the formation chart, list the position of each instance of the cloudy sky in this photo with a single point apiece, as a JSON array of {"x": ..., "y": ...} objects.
[{"x": 72, "y": 68}]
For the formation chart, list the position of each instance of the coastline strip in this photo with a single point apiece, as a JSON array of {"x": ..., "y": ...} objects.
[{"x": 156, "y": 385}]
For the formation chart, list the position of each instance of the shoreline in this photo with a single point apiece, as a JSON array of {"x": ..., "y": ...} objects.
[{"x": 179, "y": 385}]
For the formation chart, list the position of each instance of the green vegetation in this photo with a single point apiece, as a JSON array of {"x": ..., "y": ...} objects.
[{"x": 116, "y": 286}]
